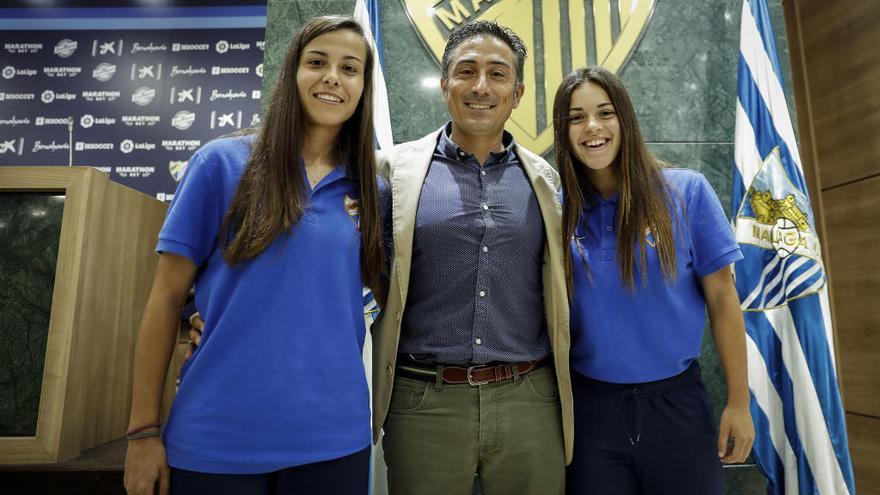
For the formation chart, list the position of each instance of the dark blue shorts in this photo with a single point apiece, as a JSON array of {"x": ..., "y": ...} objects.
[
  {"x": 646, "y": 438},
  {"x": 348, "y": 475}
]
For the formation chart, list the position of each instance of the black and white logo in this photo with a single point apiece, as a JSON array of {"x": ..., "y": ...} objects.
[
  {"x": 101, "y": 95},
  {"x": 259, "y": 70},
  {"x": 41, "y": 121},
  {"x": 16, "y": 96},
  {"x": 180, "y": 96},
  {"x": 261, "y": 45},
  {"x": 12, "y": 146},
  {"x": 255, "y": 94},
  {"x": 190, "y": 47},
  {"x": 48, "y": 96},
  {"x": 150, "y": 48},
  {"x": 22, "y": 47},
  {"x": 133, "y": 171},
  {"x": 100, "y": 48},
  {"x": 230, "y": 120},
  {"x": 140, "y": 120},
  {"x": 222, "y": 46},
  {"x": 255, "y": 120},
  {"x": 181, "y": 144},
  {"x": 126, "y": 146},
  {"x": 53, "y": 146},
  {"x": 9, "y": 72},
  {"x": 83, "y": 146},
  {"x": 88, "y": 120},
  {"x": 143, "y": 96},
  {"x": 183, "y": 120},
  {"x": 223, "y": 71},
  {"x": 227, "y": 95},
  {"x": 65, "y": 48},
  {"x": 14, "y": 121},
  {"x": 188, "y": 71},
  {"x": 62, "y": 71},
  {"x": 140, "y": 72},
  {"x": 104, "y": 72}
]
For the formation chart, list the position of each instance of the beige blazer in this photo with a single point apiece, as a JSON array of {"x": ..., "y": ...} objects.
[{"x": 405, "y": 167}]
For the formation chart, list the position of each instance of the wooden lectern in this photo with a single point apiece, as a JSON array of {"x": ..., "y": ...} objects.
[{"x": 104, "y": 271}]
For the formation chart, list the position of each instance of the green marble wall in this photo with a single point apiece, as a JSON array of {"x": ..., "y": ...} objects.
[
  {"x": 681, "y": 75},
  {"x": 30, "y": 228}
]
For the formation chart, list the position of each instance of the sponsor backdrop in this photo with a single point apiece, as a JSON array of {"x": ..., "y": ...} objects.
[{"x": 134, "y": 100}]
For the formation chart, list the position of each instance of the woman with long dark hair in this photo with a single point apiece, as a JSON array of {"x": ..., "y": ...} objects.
[
  {"x": 650, "y": 253},
  {"x": 278, "y": 229}
]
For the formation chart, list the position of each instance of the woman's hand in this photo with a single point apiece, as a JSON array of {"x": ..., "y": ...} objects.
[
  {"x": 145, "y": 467},
  {"x": 736, "y": 433}
]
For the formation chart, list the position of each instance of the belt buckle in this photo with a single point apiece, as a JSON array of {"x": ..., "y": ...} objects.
[{"x": 470, "y": 377}]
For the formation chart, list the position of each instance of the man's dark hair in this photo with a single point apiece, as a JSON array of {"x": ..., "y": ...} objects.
[{"x": 486, "y": 28}]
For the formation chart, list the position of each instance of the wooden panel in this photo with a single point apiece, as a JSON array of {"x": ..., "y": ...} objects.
[
  {"x": 864, "y": 445},
  {"x": 842, "y": 65},
  {"x": 103, "y": 276},
  {"x": 851, "y": 217}
]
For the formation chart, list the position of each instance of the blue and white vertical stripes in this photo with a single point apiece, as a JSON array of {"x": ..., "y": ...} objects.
[
  {"x": 368, "y": 15},
  {"x": 801, "y": 443}
]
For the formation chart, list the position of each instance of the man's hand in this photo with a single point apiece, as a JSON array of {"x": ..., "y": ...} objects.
[
  {"x": 195, "y": 333},
  {"x": 146, "y": 466},
  {"x": 736, "y": 434}
]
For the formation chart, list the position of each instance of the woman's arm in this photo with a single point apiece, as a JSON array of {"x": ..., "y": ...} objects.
[
  {"x": 728, "y": 329},
  {"x": 145, "y": 462}
]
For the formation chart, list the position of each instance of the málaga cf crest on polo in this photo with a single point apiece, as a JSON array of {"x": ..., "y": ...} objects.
[{"x": 586, "y": 32}]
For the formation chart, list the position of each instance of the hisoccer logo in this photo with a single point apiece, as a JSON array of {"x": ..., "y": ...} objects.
[
  {"x": 775, "y": 217},
  {"x": 612, "y": 38}
]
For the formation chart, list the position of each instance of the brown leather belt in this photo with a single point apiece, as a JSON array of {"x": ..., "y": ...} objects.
[{"x": 472, "y": 375}]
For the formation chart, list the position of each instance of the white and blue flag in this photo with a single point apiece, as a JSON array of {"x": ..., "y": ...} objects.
[
  {"x": 367, "y": 13},
  {"x": 800, "y": 442}
]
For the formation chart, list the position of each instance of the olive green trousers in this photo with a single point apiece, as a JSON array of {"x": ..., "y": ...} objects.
[{"x": 509, "y": 434}]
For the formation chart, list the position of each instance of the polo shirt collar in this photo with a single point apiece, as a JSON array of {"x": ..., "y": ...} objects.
[{"x": 592, "y": 200}]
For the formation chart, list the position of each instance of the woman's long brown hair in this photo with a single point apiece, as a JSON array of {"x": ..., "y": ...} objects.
[
  {"x": 643, "y": 197},
  {"x": 271, "y": 195}
]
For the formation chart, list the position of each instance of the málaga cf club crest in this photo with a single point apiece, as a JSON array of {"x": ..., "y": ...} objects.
[
  {"x": 775, "y": 218},
  {"x": 567, "y": 35}
]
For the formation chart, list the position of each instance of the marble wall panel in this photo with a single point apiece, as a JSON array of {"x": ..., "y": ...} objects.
[
  {"x": 681, "y": 75},
  {"x": 30, "y": 228}
]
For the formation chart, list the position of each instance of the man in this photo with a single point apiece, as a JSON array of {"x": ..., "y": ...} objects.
[{"x": 471, "y": 349}]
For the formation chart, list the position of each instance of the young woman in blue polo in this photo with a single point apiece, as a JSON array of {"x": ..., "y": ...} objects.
[
  {"x": 278, "y": 230},
  {"x": 650, "y": 254}
]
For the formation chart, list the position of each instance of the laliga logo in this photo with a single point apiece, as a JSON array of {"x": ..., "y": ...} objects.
[
  {"x": 8, "y": 72},
  {"x": 65, "y": 48},
  {"x": 126, "y": 146},
  {"x": 222, "y": 46},
  {"x": 48, "y": 96}
]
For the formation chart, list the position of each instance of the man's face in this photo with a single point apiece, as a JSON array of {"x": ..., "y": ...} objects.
[{"x": 481, "y": 89}]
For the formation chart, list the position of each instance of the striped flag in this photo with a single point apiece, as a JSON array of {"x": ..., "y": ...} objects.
[
  {"x": 367, "y": 13},
  {"x": 800, "y": 442}
]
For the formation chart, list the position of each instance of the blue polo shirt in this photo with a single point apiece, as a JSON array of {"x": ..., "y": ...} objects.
[
  {"x": 278, "y": 380},
  {"x": 654, "y": 331}
]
